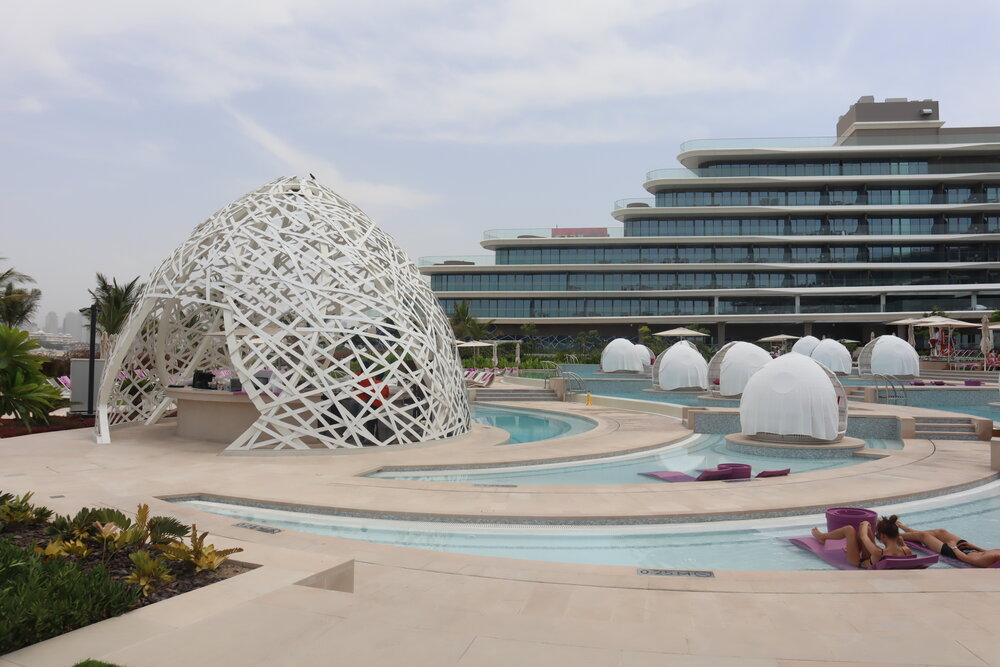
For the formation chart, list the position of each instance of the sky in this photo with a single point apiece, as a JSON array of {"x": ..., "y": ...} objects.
[{"x": 125, "y": 124}]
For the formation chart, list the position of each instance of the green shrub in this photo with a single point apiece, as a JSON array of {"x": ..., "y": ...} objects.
[
  {"x": 18, "y": 510},
  {"x": 24, "y": 391},
  {"x": 42, "y": 598}
]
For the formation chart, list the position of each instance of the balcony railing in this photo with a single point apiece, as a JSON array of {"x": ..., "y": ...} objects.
[
  {"x": 853, "y": 140},
  {"x": 635, "y": 202},
  {"x": 817, "y": 170},
  {"x": 732, "y": 199},
  {"x": 555, "y": 233},
  {"x": 457, "y": 260}
]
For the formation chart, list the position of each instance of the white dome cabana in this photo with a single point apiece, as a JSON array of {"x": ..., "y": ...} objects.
[
  {"x": 889, "y": 355},
  {"x": 646, "y": 356},
  {"x": 832, "y": 354},
  {"x": 619, "y": 356},
  {"x": 680, "y": 366},
  {"x": 295, "y": 284},
  {"x": 731, "y": 367},
  {"x": 805, "y": 345},
  {"x": 794, "y": 399}
]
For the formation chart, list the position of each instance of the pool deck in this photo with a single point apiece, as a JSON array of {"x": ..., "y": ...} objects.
[{"x": 319, "y": 599}]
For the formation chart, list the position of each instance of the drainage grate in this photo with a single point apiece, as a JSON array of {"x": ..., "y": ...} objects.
[
  {"x": 498, "y": 486},
  {"x": 675, "y": 573},
  {"x": 57, "y": 496},
  {"x": 259, "y": 528}
]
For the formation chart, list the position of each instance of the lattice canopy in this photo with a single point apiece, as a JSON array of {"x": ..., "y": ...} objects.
[{"x": 298, "y": 294}]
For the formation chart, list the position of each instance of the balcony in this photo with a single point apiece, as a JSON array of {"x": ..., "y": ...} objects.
[
  {"x": 555, "y": 232},
  {"x": 457, "y": 260},
  {"x": 833, "y": 142}
]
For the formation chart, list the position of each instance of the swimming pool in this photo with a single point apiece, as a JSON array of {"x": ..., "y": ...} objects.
[
  {"x": 730, "y": 545},
  {"x": 690, "y": 456},
  {"x": 530, "y": 425}
]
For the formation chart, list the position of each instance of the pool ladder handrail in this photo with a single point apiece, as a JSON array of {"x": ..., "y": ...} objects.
[
  {"x": 558, "y": 371},
  {"x": 574, "y": 384},
  {"x": 890, "y": 390}
]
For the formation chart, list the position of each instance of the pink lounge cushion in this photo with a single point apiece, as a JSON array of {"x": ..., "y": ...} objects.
[
  {"x": 918, "y": 383},
  {"x": 774, "y": 473},
  {"x": 705, "y": 476},
  {"x": 973, "y": 383},
  {"x": 714, "y": 475},
  {"x": 740, "y": 470}
]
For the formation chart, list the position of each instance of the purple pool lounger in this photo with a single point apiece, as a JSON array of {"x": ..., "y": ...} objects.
[
  {"x": 723, "y": 472},
  {"x": 832, "y": 551},
  {"x": 705, "y": 476}
]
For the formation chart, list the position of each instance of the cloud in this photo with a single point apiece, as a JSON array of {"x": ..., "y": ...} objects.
[{"x": 371, "y": 196}]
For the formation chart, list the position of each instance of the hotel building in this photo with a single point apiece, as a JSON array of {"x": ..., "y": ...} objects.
[{"x": 834, "y": 236}]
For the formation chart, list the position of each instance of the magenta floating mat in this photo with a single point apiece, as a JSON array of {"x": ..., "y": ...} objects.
[{"x": 832, "y": 552}]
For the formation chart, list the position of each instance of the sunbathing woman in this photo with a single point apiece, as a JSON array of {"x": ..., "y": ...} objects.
[
  {"x": 860, "y": 545},
  {"x": 950, "y": 545}
]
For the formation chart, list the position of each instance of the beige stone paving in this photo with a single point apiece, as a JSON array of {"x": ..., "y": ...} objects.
[{"x": 429, "y": 608}]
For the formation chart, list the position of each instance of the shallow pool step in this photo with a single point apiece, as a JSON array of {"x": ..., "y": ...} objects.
[
  {"x": 516, "y": 395},
  {"x": 944, "y": 428}
]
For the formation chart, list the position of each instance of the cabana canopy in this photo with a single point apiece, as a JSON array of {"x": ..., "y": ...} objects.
[
  {"x": 646, "y": 356},
  {"x": 777, "y": 338},
  {"x": 889, "y": 355},
  {"x": 731, "y": 367},
  {"x": 833, "y": 355},
  {"x": 794, "y": 399},
  {"x": 619, "y": 357},
  {"x": 805, "y": 345},
  {"x": 680, "y": 366}
]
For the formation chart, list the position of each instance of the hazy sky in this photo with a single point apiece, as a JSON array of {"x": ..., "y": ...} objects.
[{"x": 125, "y": 124}]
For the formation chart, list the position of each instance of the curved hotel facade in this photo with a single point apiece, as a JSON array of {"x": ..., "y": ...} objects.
[{"x": 833, "y": 236}]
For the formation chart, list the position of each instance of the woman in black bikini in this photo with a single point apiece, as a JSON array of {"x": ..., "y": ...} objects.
[
  {"x": 862, "y": 549},
  {"x": 950, "y": 545}
]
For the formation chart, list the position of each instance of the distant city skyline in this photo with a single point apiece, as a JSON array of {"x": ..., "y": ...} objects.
[{"x": 128, "y": 124}]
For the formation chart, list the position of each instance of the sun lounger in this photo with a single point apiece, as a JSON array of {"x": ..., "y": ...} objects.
[
  {"x": 482, "y": 380},
  {"x": 918, "y": 383},
  {"x": 832, "y": 552},
  {"x": 973, "y": 383},
  {"x": 774, "y": 473},
  {"x": 705, "y": 476}
]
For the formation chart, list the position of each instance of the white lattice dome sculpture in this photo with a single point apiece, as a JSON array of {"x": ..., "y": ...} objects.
[
  {"x": 733, "y": 365},
  {"x": 889, "y": 355},
  {"x": 832, "y": 354},
  {"x": 794, "y": 399},
  {"x": 619, "y": 357},
  {"x": 680, "y": 366},
  {"x": 646, "y": 356},
  {"x": 293, "y": 281},
  {"x": 805, "y": 345}
]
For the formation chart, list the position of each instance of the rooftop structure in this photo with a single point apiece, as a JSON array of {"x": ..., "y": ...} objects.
[
  {"x": 311, "y": 306},
  {"x": 893, "y": 216}
]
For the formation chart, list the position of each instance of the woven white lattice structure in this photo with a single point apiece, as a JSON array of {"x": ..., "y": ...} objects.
[
  {"x": 733, "y": 365},
  {"x": 293, "y": 284}
]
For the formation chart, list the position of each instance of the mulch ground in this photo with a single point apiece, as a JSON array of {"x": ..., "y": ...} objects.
[
  {"x": 119, "y": 566},
  {"x": 11, "y": 428}
]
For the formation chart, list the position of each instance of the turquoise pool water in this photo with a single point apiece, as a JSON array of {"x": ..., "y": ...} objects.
[
  {"x": 528, "y": 425},
  {"x": 706, "y": 452},
  {"x": 730, "y": 546}
]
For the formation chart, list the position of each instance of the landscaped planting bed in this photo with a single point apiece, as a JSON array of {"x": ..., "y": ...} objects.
[
  {"x": 10, "y": 428},
  {"x": 59, "y": 573}
]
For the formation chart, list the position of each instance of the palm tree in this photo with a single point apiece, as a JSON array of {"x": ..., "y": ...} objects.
[
  {"x": 114, "y": 303},
  {"x": 17, "y": 304},
  {"x": 466, "y": 326}
]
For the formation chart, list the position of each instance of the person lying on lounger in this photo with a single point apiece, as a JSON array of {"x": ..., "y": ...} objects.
[
  {"x": 950, "y": 545},
  {"x": 861, "y": 546}
]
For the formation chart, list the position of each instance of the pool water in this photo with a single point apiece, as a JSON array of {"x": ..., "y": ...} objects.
[
  {"x": 734, "y": 545},
  {"x": 706, "y": 451},
  {"x": 528, "y": 425}
]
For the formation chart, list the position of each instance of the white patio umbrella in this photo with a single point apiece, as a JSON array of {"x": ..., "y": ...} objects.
[
  {"x": 986, "y": 341},
  {"x": 939, "y": 322},
  {"x": 680, "y": 331},
  {"x": 779, "y": 338}
]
